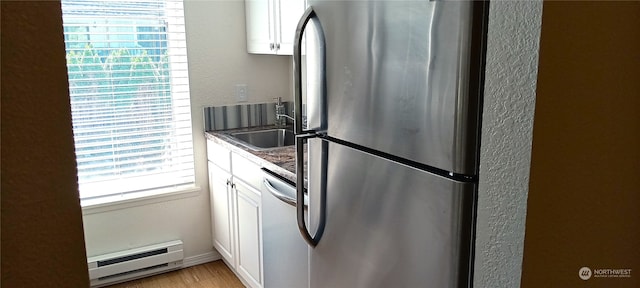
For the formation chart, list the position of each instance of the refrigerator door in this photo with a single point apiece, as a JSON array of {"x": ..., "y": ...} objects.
[
  {"x": 388, "y": 225},
  {"x": 399, "y": 78}
]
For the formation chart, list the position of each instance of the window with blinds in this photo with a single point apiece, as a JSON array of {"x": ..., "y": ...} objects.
[{"x": 128, "y": 81}]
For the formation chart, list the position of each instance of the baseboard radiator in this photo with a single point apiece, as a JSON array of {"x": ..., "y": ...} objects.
[{"x": 135, "y": 263}]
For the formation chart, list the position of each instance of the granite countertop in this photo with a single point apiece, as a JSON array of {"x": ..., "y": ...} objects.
[{"x": 281, "y": 161}]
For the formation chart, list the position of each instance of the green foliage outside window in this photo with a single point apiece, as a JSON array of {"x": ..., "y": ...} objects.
[{"x": 129, "y": 95}]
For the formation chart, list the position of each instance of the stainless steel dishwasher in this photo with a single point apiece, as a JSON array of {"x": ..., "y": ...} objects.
[{"x": 285, "y": 254}]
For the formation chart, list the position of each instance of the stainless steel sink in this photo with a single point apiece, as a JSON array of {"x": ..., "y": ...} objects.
[{"x": 265, "y": 139}]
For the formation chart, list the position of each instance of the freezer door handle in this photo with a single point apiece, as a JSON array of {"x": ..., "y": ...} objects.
[
  {"x": 309, "y": 15},
  {"x": 302, "y": 136}
]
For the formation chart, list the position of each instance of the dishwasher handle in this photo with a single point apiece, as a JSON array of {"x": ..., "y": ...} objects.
[{"x": 278, "y": 194}]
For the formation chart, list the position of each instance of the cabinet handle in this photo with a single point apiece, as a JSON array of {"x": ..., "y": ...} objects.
[
  {"x": 228, "y": 182},
  {"x": 271, "y": 46},
  {"x": 278, "y": 46}
]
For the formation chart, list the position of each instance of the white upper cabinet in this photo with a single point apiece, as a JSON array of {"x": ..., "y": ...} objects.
[{"x": 271, "y": 25}]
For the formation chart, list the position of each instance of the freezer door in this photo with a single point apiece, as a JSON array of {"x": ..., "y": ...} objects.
[
  {"x": 388, "y": 225},
  {"x": 401, "y": 77}
]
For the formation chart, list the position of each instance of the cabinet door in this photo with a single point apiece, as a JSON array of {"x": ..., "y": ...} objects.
[
  {"x": 249, "y": 234},
  {"x": 289, "y": 13},
  {"x": 260, "y": 23},
  {"x": 222, "y": 220}
]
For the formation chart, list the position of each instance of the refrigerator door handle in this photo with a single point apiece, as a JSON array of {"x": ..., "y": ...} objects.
[
  {"x": 301, "y": 138},
  {"x": 301, "y": 205}
]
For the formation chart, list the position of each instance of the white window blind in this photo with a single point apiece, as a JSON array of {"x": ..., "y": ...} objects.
[{"x": 128, "y": 81}]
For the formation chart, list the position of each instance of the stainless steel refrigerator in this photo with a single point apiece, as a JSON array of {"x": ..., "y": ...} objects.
[{"x": 392, "y": 94}]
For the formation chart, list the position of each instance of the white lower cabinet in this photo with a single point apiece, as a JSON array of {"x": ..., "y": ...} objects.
[
  {"x": 236, "y": 214},
  {"x": 222, "y": 216},
  {"x": 249, "y": 234}
]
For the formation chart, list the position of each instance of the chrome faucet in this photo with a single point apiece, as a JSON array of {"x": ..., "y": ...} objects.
[
  {"x": 281, "y": 116},
  {"x": 285, "y": 116}
]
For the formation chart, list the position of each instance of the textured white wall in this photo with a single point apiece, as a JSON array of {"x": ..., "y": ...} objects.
[
  {"x": 218, "y": 57},
  {"x": 217, "y": 61},
  {"x": 507, "y": 124}
]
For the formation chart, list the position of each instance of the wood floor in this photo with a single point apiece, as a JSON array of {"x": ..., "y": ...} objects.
[{"x": 209, "y": 275}]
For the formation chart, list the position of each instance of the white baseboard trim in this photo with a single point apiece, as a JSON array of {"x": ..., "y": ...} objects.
[{"x": 201, "y": 259}]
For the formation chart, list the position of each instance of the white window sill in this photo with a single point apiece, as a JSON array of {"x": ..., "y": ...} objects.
[{"x": 123, "y": 201}]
